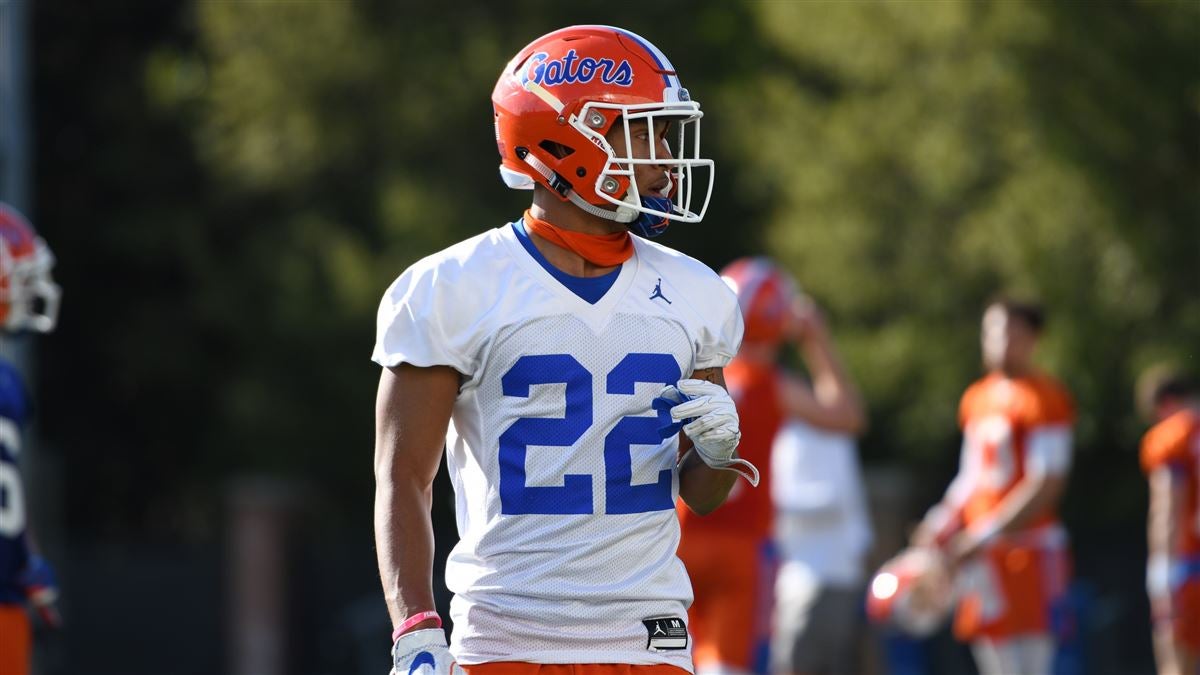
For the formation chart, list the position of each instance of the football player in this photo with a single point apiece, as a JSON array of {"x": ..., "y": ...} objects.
[
  {"x": 998, "y": 522},
  {"x": 1170, "y": 457},
  {"x": 558, "y": 359},
  {"x": 729, "y": 554},
  {"x": 28, "y": 302}
]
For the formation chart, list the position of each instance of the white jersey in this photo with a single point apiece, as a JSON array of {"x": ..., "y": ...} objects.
[
  {"x": 564, "y": 490},
  {"x": 821, "y": 519}
]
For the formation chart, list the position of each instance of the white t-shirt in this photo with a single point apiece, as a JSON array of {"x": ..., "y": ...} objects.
[
  {"x": 564, "y": 490},
  {"x": 821, "y": 519}
]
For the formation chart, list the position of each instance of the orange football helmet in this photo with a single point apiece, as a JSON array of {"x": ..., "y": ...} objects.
[
  {"x": 558, "y": 98},
  {"x": 765, "y": 293},
  {"x": 913, "y": 591},
  {"x": 29, "y": 298}
]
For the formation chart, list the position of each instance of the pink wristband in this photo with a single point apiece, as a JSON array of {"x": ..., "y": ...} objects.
[{"x": 414, "y": 620}]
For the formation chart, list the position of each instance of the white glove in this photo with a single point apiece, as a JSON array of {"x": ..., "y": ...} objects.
[
  {"x": 1164, "y": 576},
  {"x": 710, "y": 419},
  {"x": 423, "y": 652}
]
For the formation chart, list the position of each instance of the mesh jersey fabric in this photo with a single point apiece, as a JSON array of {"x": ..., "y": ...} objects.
[
  {"x": 755, "y": 390},
  {"x": 564, "y": 493}
]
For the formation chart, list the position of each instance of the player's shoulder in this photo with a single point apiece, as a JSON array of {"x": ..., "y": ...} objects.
[
  {"x": 978, "y": 388},
  {"x": 1050, "y": 387},
  {"x": 976, "y": 396},
  {"x": 685, "y": 273},
  {"x": 466, "y": 256},
  {"x": 659, "y": 255},
  {"x": 1168, "y": 441},
  {"x": 457, "y": 266},
  {"x": 1049, "y": 400}
]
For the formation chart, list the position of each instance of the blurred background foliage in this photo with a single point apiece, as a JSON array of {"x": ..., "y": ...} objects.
[{"x": 230, "y": 186}]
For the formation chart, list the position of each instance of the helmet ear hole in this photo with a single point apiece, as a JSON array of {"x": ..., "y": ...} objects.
[{"x": 556, "y": 149}]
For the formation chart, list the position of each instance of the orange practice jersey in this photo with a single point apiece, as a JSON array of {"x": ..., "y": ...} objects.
[
  {"x": 997, "y": 414},
  {"x": 1175, "y": 443},
  {"x": 748, "y": 510}
]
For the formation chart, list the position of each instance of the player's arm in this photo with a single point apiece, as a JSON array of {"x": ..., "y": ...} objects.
[
  {"x": 944, "y": 520},
  {"x": 39, "y": 582},
  {"x": 703, "y": 488},
  {"x": 833, "y": 401},
  {"x": 412, "y": 412},
  {"x": 1162, "y": 531},
  {"x": 1047, "y": 461}
]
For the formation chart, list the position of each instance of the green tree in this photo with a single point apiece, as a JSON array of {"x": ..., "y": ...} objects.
[
  {"x": 905, "y": 160},
  {"x": 921, "y": 157},
  {"x": 267, "y": 169},
  {"x": 229, "y": 187}
]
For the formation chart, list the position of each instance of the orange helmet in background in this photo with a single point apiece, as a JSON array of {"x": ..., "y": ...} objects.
[
  {"x": 766, "y": 294},
  {"x": 913, "y": 591},
  {"x": 29, "y": 297},
  {"x": 560, "y": 96}
]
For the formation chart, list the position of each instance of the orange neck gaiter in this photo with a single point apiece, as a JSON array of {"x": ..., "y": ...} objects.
[{"x": 602, "y": 250}]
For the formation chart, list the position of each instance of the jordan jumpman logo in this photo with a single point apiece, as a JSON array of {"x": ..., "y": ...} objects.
[{"x": 658, "y": 292}]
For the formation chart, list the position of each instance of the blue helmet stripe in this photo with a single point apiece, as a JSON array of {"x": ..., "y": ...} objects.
[{"x": 659, "y": 58}]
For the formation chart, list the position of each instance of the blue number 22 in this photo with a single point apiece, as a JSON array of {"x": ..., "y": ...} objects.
[{"x": 575, "y": 494}]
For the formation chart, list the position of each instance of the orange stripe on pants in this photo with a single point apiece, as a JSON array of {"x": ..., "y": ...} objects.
[
  {"x": 730, "y": 618},
  {"x": 522, "y": 668},
  {"x": 15, "y": 640}
]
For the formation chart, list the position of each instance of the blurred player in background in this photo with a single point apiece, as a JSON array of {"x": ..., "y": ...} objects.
[
  {"x": 998, "y": 523},
  {"x": 729, "y": 553},
  {"x": 557, "y": 359},
  {"x": 28, "y": 302},
  {"x": 1171, "y": 459},
  {"x": 823, "y": 533}
]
